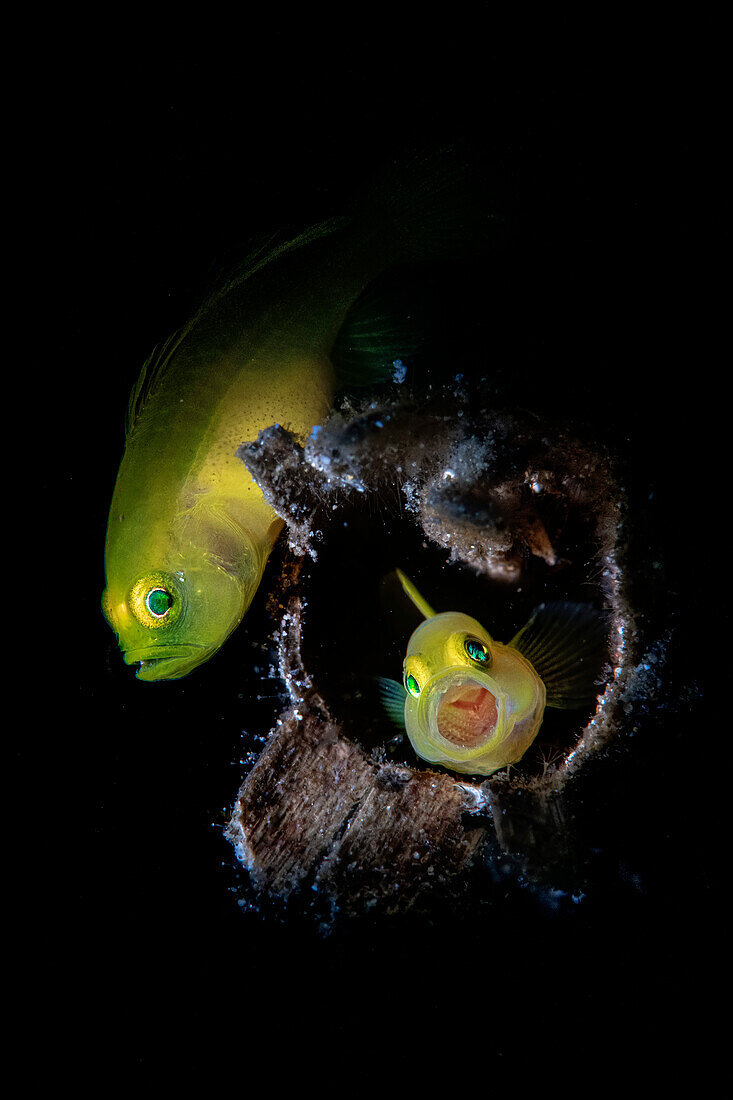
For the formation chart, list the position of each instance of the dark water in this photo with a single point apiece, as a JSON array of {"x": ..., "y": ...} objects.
[{"x": 134, "y": 943}]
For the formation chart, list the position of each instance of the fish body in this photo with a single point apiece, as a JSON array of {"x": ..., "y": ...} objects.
[
  {"x": 189, "y": 531},
  {"x": 473, "y": 704}
]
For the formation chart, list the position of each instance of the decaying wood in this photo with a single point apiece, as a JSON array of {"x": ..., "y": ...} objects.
[
  {"x": 321, "y": 815},
  {"x": 316, "y": 814}
]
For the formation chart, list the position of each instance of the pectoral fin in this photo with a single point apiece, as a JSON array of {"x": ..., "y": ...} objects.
[
  {"x": 392, "y": 697},
  {"x": 567, "y": 645},
  {"x": 375, "y": 336}
]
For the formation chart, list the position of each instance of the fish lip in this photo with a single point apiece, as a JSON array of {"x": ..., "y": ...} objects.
[
  {"x": 457, "y": 674},
  {"x": 434, "y": 691},
  {"x": 167, "y": 662},
  {"x": 160, "y": 651}
]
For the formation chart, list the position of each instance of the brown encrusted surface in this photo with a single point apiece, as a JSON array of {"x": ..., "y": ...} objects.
[
  {"x": 504, "y": 494},
  {"x": 316, "y": 813}
]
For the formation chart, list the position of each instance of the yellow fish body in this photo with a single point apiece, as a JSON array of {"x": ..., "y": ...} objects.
[
  {"x": 189, "y": 531},
  {"x": 475, "y": 705}
]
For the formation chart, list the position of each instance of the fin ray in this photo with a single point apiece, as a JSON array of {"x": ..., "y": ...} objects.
[
  {"x": 419, "y": 601},
  {"x": 269, "y": 249},
  {"x": 392, "y": 696},
  {"x": 372, "y": 337},
  {"x": 567, "y": 645}
]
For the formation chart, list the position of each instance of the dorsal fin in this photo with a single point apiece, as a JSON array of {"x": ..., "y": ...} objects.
[
  {"x": 567, "y": 645},
  {"x": 419, "y": 601},
  {"x": 153, "y": 370},
  {"x": 261, "y": 254},
  {"x": 266, "y": 251}
]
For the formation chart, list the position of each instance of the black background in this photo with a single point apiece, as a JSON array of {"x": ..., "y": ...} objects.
[{"x": 146, "y": 162}]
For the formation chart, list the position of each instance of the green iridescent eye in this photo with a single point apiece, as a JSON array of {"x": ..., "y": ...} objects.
[
  {"x": 159, "y": 602},
  {"x": 155, "y": 600},
  {"x": 477, "y": 651},
  {"x": 412, "y": 685}
]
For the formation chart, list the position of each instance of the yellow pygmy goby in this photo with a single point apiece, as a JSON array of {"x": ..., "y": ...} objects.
[
  {"x": 475, "y": 705},
  {"x": 189, "y": 531}
]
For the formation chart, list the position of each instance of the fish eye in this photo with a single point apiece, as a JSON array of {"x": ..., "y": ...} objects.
[
  {"x": 159, "y": 601},
  {"x": 155, "y": 601},
  {"x": 412, "y": 685},
  {"x": 477, "y": 651}
]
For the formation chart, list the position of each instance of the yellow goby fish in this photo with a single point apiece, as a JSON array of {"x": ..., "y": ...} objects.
[
  {"x": 474, "y": 704},
  {"x": 189, "y": 531}
]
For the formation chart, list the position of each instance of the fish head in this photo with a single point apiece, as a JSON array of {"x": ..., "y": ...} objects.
[
  {"x": 472, "y": 703},
  {"x": 173, "y": 607}
]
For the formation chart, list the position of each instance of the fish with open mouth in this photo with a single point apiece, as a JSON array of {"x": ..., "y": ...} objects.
[{"x": 473, "y": 704}]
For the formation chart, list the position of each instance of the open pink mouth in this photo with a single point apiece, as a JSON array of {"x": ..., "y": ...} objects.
[{"x": 467, "y": 715}]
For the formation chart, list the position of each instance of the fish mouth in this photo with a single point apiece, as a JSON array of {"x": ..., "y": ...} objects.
[
  {"x": 466, "y": 715},
  {"x": 167, "y": 662},
  {"x": 462, "y": 709}
]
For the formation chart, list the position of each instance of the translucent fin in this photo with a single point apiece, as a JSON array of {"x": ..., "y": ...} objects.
[
  {"x": 152, "y": 372},
  {"x": 270, "y": 248},
  {"x": 430, "y": 205},
  {"x": 421, "y": 604},
  {"x": 567, "y": 645},
  {"x": 155, "y": 366},
  {"x": 372, "y": 338},
  {"x": 392, "y": 697}
]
